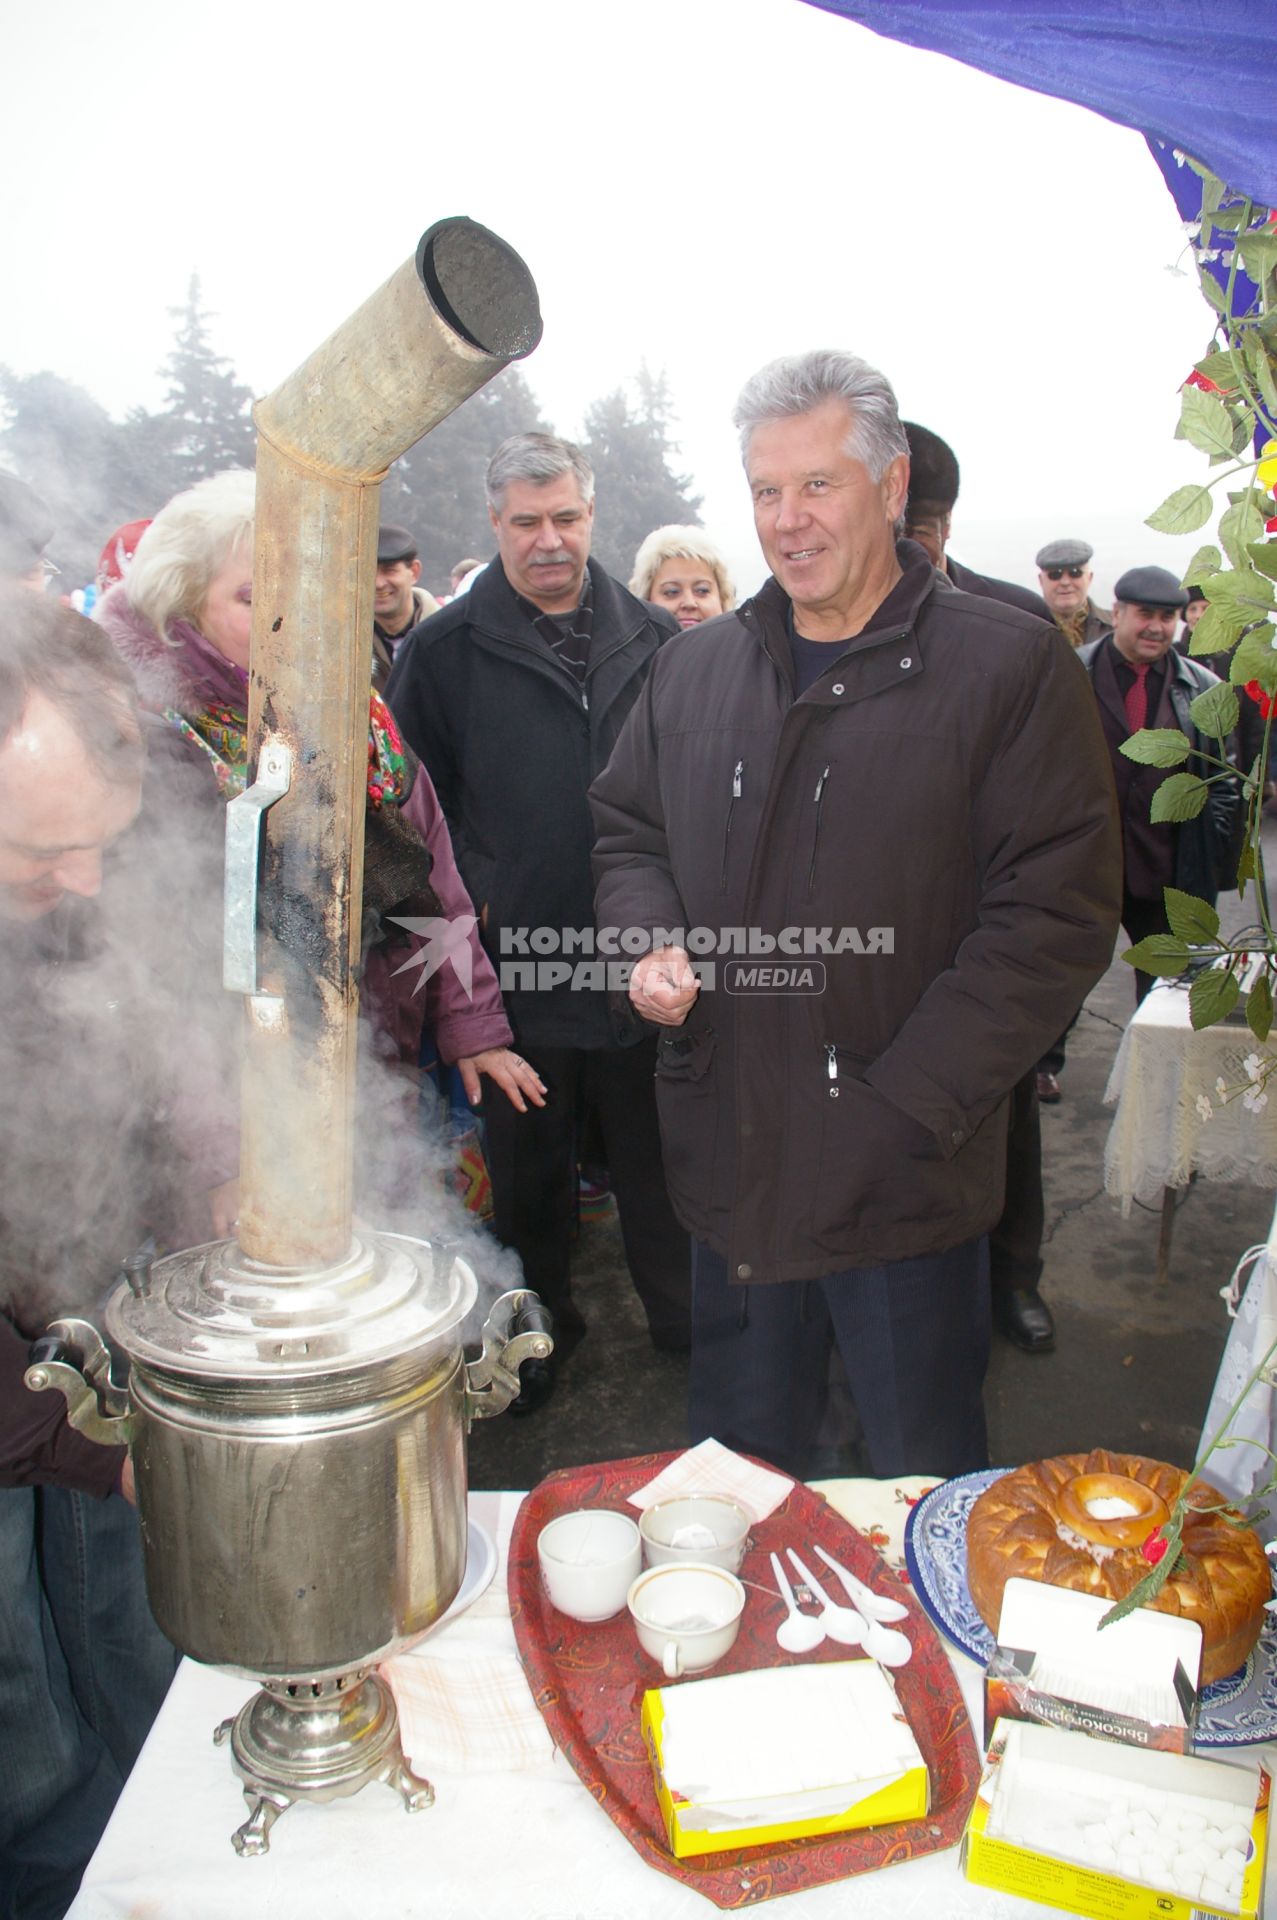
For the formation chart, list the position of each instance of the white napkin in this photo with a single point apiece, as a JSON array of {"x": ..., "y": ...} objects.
[{"x": 713, "y": 1468}]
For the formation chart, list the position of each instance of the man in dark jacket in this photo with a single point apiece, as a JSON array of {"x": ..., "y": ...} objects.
[
  {"x": 1140, "y": 680},
  {"x": 1015, "y": 1244},
  {"x": 514, "y": 695},
  {"x": 906, "y": 787},
  {"x": 933, "y": 494}
]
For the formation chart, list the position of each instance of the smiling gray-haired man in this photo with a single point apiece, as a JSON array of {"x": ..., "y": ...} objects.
[{"x": 859, "y": 750}]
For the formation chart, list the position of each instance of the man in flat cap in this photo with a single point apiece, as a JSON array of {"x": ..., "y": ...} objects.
[
  {"x": 1064, "y": 574},
  {"x": 399, "y": 604},
  {"x": 1140, "y": 680}
]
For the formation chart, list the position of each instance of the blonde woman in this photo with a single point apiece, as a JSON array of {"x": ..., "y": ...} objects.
[{"x": 680, "y": 569}]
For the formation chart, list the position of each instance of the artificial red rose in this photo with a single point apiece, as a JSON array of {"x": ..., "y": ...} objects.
[
  {"x": 1154, "y": 1549},
  {"x": 1196, "y": 379},
  {"x": 1264, "y": 701},
  {"x": 1270, "y": 526}
]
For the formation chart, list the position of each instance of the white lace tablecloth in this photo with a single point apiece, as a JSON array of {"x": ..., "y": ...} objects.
[{"x": 1161, "y": 1135}]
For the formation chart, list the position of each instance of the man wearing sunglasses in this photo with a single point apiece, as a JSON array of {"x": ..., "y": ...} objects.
[{"x": 1064, "y": 575}]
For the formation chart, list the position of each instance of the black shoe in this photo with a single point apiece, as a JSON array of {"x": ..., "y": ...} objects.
[
  {"x": 1048, "y": 1088},
  {"x": 536, "y": 1384},
  {"x": 1024, "y": 1317}
]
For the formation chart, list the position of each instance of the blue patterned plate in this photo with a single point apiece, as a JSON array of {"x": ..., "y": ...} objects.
[{"x": 1235, "y": 1711}]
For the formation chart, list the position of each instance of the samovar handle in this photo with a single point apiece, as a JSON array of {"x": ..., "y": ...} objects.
[
  {"x": 517, "y": 1328},
  {"x": 71, "y": 1358}
]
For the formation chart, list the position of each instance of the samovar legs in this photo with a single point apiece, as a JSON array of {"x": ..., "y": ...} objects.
[{"x": 316, "y": 1740}]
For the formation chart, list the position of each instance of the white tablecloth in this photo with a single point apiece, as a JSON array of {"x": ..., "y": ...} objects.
[
  {"x": 1159, "y": 1136},
  {"x": 530, "y": 1845}
]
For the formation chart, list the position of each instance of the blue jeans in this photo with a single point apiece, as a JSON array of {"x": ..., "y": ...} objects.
[
  {"x": 914, "y": 1340},
  {"x": 83, "y": 1671}
]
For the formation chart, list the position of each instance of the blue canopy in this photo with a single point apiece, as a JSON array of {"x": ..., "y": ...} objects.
[{"x": 1199, "y": 75}]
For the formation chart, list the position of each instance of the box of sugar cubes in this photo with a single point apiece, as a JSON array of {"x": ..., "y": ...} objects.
[
  {"x": 1135, "y": 1680},
  {"x": 1112, "y": 1833}
]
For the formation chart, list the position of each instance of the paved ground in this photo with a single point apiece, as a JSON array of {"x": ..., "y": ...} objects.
[{"x": 1132, "y": 1368}]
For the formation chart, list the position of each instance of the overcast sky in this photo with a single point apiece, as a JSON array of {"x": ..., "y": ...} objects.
[{"x": 702, "y": 184}]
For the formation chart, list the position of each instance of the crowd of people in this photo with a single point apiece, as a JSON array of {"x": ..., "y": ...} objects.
[{"x": 777, "y": 915}]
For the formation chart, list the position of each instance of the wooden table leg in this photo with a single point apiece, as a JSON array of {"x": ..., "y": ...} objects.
[{"x": 1161, "y": 1272}]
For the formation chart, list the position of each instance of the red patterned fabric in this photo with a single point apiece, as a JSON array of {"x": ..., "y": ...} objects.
[{"x": 589, "y": 1683}]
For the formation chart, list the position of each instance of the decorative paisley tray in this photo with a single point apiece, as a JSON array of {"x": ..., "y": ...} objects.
[
  {"x": 589, "y": 1683},
  {"x": 1234, "y": 1712}
]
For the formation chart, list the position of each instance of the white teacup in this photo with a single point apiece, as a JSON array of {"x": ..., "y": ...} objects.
[
  {"x": 706, "y": 1527},
  {"x": 687, "y": 1615},
  {"x": 588, "y": 1561}
]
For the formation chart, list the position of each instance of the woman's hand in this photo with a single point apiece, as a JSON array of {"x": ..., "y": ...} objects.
[{"x": 517, "y": 1080}]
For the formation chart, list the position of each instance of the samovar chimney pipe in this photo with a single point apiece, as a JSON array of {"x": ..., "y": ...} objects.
[{"x": 454, "y": 315}]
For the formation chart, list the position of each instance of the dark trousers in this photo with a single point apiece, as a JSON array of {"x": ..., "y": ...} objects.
[
  {"x": 532, "y": 1160},
  {"x": 1140, "y": 918},
  {"x": 1015, "y": 1244},
  {"x": 914, "y": 1340},
  {"x": 83, "y": 1672}
]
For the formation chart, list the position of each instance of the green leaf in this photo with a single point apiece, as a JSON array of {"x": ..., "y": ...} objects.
[
  {"x": 1159, "y": 953},
  {"x": 1191, "y": 919},
  {"x": 1260, "y": 364},
  {"x": 1206, "y": 421},
  {"x": 1212, "y": 997},
  {"x": 1259, "y": 1008},
  {"x": 1183, "y": 511},
  {"x": 1158, "y": 747},
  {"x": 1218, "y": 366},
  {"x": 1254, "y": 659},
  {"x": 1216, "y": 711},
  {"x": 1249, "y": 592},
  {"x": 1243, "y": 430},
  {"x": 1182, "y": 797},
  {"x": 1218, "y": 629},
  {"x": 1263, "y": 554},
  {"x": 1213, "y": 292},
  {"x": 1259, "y": 253},
  {"x": 1246, "y": 862},
  {"x": 1240, "y": 524},
  {"x": 1205, "y": 561}
]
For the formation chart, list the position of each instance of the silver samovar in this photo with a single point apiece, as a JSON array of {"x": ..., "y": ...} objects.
[{"x": 298, "y": 1398}]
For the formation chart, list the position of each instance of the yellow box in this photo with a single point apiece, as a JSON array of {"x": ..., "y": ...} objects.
[
  {"x": 829, "y": 1704},
  {"x": 1114, "y": 1774}
]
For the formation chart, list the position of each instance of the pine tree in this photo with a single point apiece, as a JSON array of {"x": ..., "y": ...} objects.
[
  {"x": 636, "y": 489},
  {"x": 206, "y": 407}
]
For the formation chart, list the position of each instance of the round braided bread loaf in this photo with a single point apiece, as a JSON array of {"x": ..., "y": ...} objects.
[{"x": 1017, "y": 1530}]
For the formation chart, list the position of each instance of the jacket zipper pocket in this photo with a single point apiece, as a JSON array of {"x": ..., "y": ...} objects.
[
  {"x": 815, "y": 838},
  {"x": 738, "y": 782},
  {"x": 831, "y": 1070}
]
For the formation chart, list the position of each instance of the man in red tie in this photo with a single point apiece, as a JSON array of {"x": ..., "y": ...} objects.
[{"x": 1141, "y": 681}]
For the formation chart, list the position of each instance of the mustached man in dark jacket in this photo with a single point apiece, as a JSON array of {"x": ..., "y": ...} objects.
[
  {"x": 1140, "y": 680},
  {"x": 513, "y": 695},
  {"x": 906, "y": 788}
]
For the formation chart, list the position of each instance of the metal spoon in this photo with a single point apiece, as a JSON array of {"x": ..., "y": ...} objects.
[
  {"x": 874, "y": 1606},
  {"x": 842, "y": 1624},
  {"x": 797, "y": 1632}
]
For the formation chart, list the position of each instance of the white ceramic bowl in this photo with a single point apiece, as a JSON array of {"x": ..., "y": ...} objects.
[{"x": 588, "y": 1561}]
